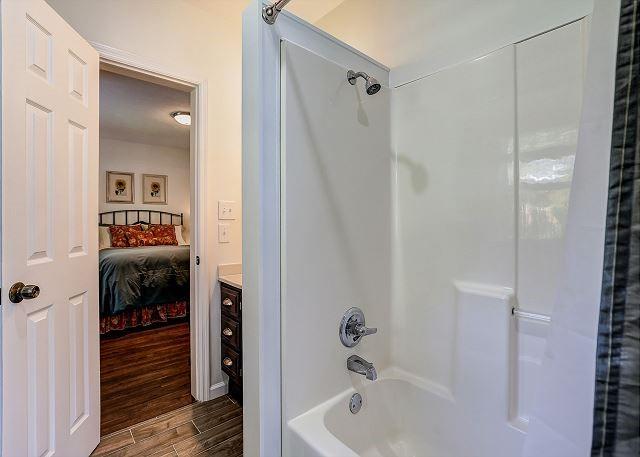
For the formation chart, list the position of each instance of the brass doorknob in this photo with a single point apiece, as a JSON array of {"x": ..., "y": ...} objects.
[
  {"x": 227, "y": 362},
  {"x": 227, "y": 332},
  {"x": 19, "y": 292}
]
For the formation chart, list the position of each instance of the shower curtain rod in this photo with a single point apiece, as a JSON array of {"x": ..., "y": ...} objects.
[{"x": 270, "y": 13}]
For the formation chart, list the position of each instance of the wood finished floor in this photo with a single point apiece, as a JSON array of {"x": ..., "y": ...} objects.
[
  {"x": 213, "y": 428},
  {"x": 143, "y": 375}
]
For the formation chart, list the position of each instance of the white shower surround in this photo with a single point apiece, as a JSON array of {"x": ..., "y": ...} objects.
[
  {"x": 476, "y": 382},
  {"x": 480, "y": 150}
]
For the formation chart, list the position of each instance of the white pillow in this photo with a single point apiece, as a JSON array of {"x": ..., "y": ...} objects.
[
  {"x": 181, "y": 241},
  {"x": 104, "y": 238}
]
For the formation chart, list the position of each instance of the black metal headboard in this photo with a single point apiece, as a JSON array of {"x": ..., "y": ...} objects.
[{"x": 135, "y": 216}]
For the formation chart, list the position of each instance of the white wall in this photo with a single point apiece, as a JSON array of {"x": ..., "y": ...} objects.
[
  {"x": 138, "y": 158},
  {"x": 418, "y": 37},
  {"x": 187, "y": 37},
  {"x": 337, "y": 226}
]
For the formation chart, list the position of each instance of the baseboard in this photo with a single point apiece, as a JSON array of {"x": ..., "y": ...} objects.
[{"x": 218, "y": 390}]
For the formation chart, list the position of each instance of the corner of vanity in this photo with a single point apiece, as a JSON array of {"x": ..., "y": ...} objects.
[{"x": 230, "y": 278}]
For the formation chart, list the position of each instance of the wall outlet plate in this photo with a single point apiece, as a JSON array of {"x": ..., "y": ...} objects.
[{"x": 226, "y": 210}]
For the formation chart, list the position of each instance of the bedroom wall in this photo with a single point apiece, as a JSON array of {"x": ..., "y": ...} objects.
[{"x": 138, "y": 158}]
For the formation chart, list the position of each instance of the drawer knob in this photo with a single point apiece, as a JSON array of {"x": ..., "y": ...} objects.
[
  {"x": 227, "y": 332},
  {"x": 227, "y": 302},
  {"x": 227, "y": 362}
]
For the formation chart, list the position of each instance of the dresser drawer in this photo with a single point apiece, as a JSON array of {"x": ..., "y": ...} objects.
[
  {"x": 230, "y": 302},
  {"x": 230, "y": 361},
  {"x": 230, "y": 332}
]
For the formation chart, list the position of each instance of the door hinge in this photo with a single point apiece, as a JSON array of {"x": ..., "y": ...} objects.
[{"x": 197, "y": 260}]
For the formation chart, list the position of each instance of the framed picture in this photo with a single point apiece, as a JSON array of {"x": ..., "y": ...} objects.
[
  {"x": 154, "y": 189},
  {"x": 120, "y": 187}
]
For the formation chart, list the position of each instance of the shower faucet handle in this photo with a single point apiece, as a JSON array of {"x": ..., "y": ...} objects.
[
  {"x": 353, "y": 328},
  {"x": 362, "y": 330}
]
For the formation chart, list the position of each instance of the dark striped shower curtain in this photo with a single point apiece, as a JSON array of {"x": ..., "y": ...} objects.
[{"x": 616, "y": 420}]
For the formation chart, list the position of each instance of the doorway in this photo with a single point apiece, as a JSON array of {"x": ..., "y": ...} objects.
[
  {"x": 149, "y": 405},
  {"x": 144, "y": 263}
]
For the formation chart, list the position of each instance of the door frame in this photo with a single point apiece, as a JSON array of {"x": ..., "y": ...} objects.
[
  {"x": 129, "y": 64},
  {"x": 262, "y": 280}
]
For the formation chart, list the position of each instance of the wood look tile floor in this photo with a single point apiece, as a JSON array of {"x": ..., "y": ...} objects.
[
  {"x": 142, "y": 375},
  {"x": 213, "y": 428}
]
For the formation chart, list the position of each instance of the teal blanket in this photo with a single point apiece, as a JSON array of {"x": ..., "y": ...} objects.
[{"x": 135, "y": 277}]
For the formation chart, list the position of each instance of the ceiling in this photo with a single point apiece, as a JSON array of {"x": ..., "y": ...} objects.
[
  {"x": 312, "y": 10},
  {"x": 138, "y": 111},
  {"x": 309, "y": 10}
]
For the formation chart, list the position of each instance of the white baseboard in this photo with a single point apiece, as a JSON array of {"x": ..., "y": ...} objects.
[{"x": 218, "y": 390}]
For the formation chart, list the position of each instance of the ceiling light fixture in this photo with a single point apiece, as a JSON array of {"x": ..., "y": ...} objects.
[{"x": 182, "y": 117}]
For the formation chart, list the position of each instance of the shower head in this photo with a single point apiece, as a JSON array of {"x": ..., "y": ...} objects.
[{"x": 372, "y": 86}]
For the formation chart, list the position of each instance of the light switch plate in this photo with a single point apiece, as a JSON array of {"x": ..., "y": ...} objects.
[
  {"x": 223, "y": 233},
  {"x": 226, "y": 210}
]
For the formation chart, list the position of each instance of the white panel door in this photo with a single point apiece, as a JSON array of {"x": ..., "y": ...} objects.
[{"x": 50, "y": 352}]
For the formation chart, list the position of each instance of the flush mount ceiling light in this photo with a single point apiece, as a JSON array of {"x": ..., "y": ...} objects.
[{"x": 182, "y": 117}]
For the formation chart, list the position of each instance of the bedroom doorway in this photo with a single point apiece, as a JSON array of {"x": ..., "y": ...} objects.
[
  {"x": 209, "y": 408},
  {"x": 152, "y": 357},
  {"x": 144, "y": 250}
]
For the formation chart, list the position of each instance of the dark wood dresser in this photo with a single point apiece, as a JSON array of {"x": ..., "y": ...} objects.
[{"x": 231, "y": 336}]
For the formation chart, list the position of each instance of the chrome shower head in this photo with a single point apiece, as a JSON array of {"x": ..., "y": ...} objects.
[{"x": 372, "y": 86}]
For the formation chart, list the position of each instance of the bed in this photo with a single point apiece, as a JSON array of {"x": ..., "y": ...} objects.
[{"x": 142, "y": 285}]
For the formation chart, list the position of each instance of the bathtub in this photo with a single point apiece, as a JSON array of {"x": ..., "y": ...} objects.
[{"x": 399, "y": 418}]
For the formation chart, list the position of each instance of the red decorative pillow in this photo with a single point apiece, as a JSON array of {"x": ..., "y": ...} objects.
[
  {"x": 165, "y": 234},
  {"x": 137, "y": 239},
  {"x": 119, "y": 234}
]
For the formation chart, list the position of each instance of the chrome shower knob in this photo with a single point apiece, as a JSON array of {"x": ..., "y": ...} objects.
[{"x": 353, "y": 328}]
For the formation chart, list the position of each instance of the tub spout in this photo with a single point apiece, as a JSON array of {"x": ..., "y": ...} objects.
[{"x": 359, "y": 365}]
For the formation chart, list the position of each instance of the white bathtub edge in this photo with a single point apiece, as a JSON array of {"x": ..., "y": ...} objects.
[{"x": 311, "y": 429}]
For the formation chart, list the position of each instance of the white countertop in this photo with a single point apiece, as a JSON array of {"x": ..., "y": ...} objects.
[{"x": 232, "y": 280}]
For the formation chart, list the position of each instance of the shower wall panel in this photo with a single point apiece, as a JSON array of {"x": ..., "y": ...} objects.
[
  {"x": 484, "y": 165},
  {"x": 336, "y": 225},
  {"x": 454, "y": 141},
  {"x": 550, "y": 72}
]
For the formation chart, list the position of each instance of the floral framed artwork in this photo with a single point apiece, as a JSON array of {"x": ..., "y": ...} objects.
[
  {"x": 154, "y": 189},
  {"x": 120, "y": 187}
]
